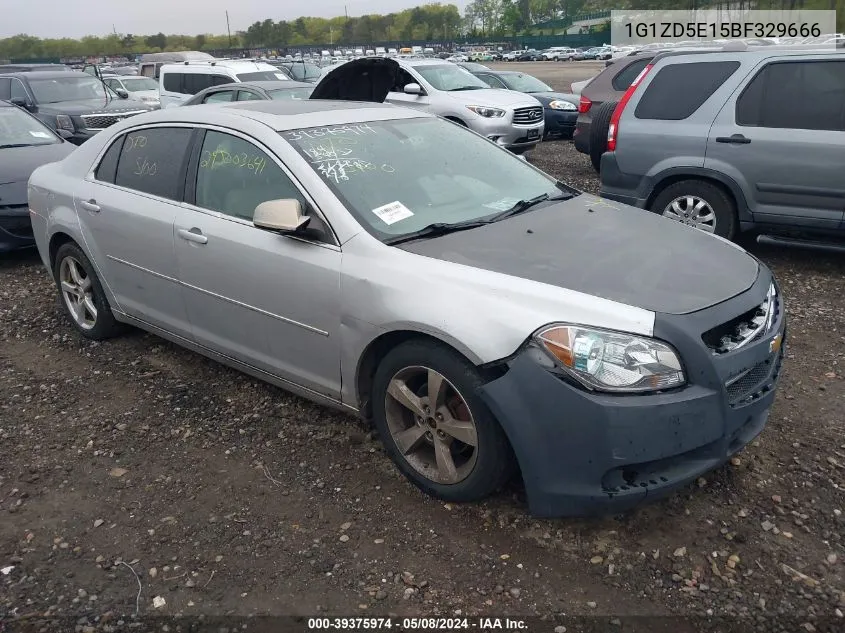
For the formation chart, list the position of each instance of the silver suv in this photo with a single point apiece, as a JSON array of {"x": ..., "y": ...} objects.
[
  {"x": 511, "y": 119},
  {"x": 734, "y": 141}
]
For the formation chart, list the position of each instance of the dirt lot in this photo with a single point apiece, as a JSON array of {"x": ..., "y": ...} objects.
[{"x": 230, "y": 497}]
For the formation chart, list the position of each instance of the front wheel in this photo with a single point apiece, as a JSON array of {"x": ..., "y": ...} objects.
[
  {"x": 434, "y": 425},
  {"x": 700, "y": 204}
]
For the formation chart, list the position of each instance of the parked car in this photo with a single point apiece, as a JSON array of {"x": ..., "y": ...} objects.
[
  {"x": 25, "y": 144},
  {"x": 472, "y": 66},
  {"x": 300, "y": 71},
  {"x": 179, "y": 82},
  {"x": 527, "y": 358},
  {"x": 140, "y": 88},
  {"x": 512, "y": 120},
  {"x": 31, "y": 68},
  {"x": 608, "y": 86},
  {"x": 560, "y": 109},
  {"x": 75, "y": 105},
  {"x": 529, "y": 55},
  {"x": 510, "y": 56},
  {"x": 559, "y": 53},
  {"x": 253, "y": 91},
  {"x": 728, "y": 157}
]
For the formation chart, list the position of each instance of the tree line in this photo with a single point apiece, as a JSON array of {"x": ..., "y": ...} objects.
[{"x": 481, "y": 18}]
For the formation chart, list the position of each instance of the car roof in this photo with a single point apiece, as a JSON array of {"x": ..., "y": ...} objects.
[
  {"x": 752, "y": 52},
  {"x": 283, "y": 115},
  {"x": 416, "y": 61},
  {"x": 48, "y": 74},
  {"x": 263, "y": 85},
  {"x": 214, "y": 63}
]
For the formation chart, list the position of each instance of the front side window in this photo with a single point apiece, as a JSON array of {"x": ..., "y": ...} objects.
[
  {"x": 234, "y": 176},
  {"x": 395, "y": 178},
  {"x": 222, "y": 96},
  {"x": 151, "y": 161},
  {"x": 248, "y": 95},
  {"x": 137, "y": 84},
  {"x": 814, "y": 90},
  {"x": 172, "y": 82},
  {"x": 492, "y": 81},
  {"x": 75, "y": 87},
  {"x": 449, "y": 77},
  {"x": 19, "y": 129},
  {"x": 298, "y": 94},
  {"x": 678, "y": 90}
]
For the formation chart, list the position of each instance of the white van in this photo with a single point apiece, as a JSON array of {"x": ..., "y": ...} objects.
[
  {"x": 151, "y": 63},
  {"x": 179, "y": 82}
]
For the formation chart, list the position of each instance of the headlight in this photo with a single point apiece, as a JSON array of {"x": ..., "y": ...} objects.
[
  {"x": 64, "y": 122},
  {"x": 563, "y": 105},
  {"x": 489, "y": 113},
  {"x": 611, "y": 361}
]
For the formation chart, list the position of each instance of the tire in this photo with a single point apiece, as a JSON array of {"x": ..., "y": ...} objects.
[
  {"x": 492, "y": 464},
  {"x": 598, "y": 132},
  {"x": 96, "y": 326},
  {"x": 722, "y": 205}
]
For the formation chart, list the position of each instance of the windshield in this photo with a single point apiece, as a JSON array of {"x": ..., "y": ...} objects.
[
  {"x": 395, "y": 178},
  {"x": 524, "y": 83},
  {"x": 20, "y": 129},
  {"x": 263, "y": 75},
  {"x": 293, "y": 93},
  {"x": 449, "y": 77},
  {"x": 74, "y": 88},
  {"x": 141, "y": 83}
]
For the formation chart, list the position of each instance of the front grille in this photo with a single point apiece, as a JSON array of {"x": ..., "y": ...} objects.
[
  {"x": 755, "y": 382},
  {"x": 102, "y": 121},
  {"x": 528, "y": 116},
  {"x": 746, "y": 328}
]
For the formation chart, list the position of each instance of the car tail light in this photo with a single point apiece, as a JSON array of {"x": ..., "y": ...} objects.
[
  {"x": 613, "y": 129},
  {"x": 584, "y": 105}
]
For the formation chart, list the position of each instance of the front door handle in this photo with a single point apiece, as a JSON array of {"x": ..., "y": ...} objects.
[
  {"x": 90, "y": 205},
  {"x": 736, "y": 139},
  {"x": 192, "y": 235}
]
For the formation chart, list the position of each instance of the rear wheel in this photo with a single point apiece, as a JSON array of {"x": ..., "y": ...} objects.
[
  {"x": 82, "y": 294},
  {"x": 434, "y": 425},
  {"x": 598, "y": 132},
  {"x": 699, "y": 204}
]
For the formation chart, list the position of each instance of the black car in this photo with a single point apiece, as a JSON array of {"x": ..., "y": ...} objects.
[
  {"x": 252, "y": 91},
  {"x": 29, "y": 68},
  {"x": 72, "y": 103},
  {"x": 300, "y": 70},
  {"x": 560, "y": 108},
  {"x": 25, "y": 143},
  {"x": 530, "y": 55}
]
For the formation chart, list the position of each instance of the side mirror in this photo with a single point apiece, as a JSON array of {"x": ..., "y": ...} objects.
[
  {"x": 26, "y": 104},
  {"x": 122, "y": 93},
  {"x": 65, "y": 134},
  {"x": 282, "y": 216},
  {"x": 413, "y": 89}
]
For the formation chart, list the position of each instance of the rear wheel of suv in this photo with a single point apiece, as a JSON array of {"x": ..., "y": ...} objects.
[
  {"x": 700, "y": 204},
  {"x": 598, "y": 132}
]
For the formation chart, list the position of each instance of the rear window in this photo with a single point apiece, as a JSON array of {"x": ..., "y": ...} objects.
[
  {"x": 625, "y": 77},
  {"x": 192, "y": 83},
  {"x": 678, "y": 90},
  {"x": 814, "y": 90}
]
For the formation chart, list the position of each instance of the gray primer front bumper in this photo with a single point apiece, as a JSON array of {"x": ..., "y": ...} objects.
[{"x": 584, "y": 453}]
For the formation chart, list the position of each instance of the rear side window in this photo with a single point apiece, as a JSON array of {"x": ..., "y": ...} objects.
[
  {"x": 107, "y": 168},
  {"x": 813, "y": 90},
  {"x": 625, "y": 77},
  {"x": 172, "y": 82},
  {"x": 5, "y": 88},
  {"x": 678, "y": 90},
  {"x": 152, "y": 160}
]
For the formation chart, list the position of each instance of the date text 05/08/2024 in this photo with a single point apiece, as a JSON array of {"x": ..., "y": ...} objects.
[
  {"x": 482, "y": 624},
  {"x": 725, "y": 30}
]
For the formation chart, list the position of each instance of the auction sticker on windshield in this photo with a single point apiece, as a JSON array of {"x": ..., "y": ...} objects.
[{"x": 392, "y": 212}]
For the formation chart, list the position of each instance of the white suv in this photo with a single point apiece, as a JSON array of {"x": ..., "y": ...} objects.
[{"x": 179, "y": 82}]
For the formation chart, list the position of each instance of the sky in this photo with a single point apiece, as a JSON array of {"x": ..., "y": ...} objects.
[{"x": 60, "y": 18}]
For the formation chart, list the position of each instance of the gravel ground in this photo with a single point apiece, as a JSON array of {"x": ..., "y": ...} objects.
[{"x": 230, "y": 497}]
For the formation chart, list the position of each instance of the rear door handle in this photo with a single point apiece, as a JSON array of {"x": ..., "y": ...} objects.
[
  {"x": 736, "y": 139},
  {"x": 90, "y": 205},
  {"x": 192, "y": 235}
]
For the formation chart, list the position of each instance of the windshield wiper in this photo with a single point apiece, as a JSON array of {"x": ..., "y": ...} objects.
[
  {"x": 436, "y": 229},
  {"x": 524, "y": 205},
  {"x": 10, "y": 145},
  {"x": 466, "y": 88}
]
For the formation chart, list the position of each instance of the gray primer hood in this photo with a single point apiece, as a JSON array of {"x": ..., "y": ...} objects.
[{"x": 606, "y": 250}]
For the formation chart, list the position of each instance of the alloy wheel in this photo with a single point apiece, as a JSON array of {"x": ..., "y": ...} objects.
[
  {"x": 692, "y": 211},
  {"x": 431, "y": 425},
  {"x": 78, "y": 293}
]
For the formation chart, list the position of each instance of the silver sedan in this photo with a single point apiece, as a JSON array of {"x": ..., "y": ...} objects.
[{"x": 487, "y": 318}]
